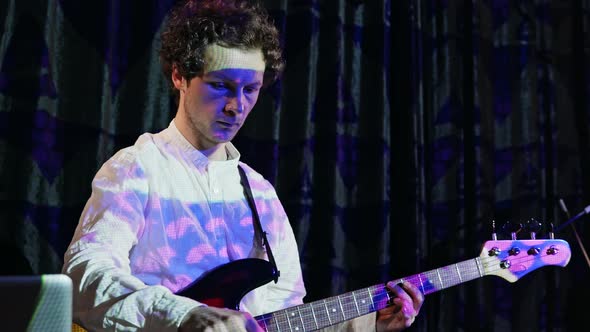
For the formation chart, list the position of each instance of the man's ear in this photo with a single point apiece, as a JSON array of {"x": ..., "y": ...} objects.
[{"x": 177, "y": 79}]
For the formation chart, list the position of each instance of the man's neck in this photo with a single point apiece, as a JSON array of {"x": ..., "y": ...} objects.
[{"x": 217, "y": 153}]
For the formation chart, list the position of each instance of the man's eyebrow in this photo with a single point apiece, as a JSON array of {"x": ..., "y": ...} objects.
[
  {"x": 222, "y": 76},
  {"x": 256, "y": 82}
]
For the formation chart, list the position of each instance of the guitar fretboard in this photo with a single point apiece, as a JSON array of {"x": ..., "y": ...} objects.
[{"x": 322, "y": 313}]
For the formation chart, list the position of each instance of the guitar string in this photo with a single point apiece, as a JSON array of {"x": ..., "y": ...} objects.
[{"x": 281, "y": 316}]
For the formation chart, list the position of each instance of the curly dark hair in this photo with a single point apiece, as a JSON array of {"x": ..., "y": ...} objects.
[{"x": 192, "y": 25}]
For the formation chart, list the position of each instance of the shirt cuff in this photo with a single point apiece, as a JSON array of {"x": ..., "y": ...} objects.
[{"x": 173, "y": 308}]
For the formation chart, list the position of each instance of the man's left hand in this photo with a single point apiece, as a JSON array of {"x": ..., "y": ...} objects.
[{"x": 401, "y": 314}]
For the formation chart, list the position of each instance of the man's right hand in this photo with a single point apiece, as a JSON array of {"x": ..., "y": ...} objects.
[{"x": 213, "y": 319}]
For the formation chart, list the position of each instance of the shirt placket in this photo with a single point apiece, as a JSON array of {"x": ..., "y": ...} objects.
[{"x": 216, "y": 205}]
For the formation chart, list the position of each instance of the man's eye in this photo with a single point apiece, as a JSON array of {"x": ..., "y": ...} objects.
[
  {"x": 217, "y": 85},
  {"x": 250, "y": 89}
]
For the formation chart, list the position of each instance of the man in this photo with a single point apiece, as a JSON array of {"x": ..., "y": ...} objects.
[{"x": 170, "y": 208}]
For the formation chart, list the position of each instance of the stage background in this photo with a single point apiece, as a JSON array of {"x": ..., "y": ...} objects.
[{"x": 399, "y": 132}]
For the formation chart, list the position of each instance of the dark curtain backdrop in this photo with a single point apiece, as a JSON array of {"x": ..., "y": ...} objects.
[{"x": 399, "y": 132}]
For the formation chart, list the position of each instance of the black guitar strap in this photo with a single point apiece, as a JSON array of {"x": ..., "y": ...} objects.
[{"x": 259, "y": 232}]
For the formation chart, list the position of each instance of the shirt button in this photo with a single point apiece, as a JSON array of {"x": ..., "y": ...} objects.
[{"x": 216, "y": 190}]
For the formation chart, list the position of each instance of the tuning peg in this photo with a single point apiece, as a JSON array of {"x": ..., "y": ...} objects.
[
  {"x": 533, "y": 227},
  {"x": 512, "y": 228},
  {"x": 494, "y": 235}
]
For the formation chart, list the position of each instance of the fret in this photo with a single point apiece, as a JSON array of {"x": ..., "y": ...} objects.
[
  {"x": 275, "y": 323},
  {"x": 301, "y": 318},
  {"x": 432, "y": 278},
  {"x": 458, "y": 272},
  {"x": 454, "y": 276},
  {"x": 327, "y": 311},
  {"x": 479, "y": 267},
  {"x": 320, "y": 313},
  {"x": 263, "y": 319},
  {"x": 442, "y": 285},
  {"x": 348, "y": 305},
  {"x": 445, "y": 277},
  {"x": 355, "y": 304},
  {"x": 289, "y": 322},
  {"x": 334, "y": 312},
  {"x": 431, "y": 287},
  {"x": 283, "y": 321},
  {"x": 341, "y": 307},
  {"x": 421, "y": 283},
  {"x": 380, "y": 297},
  {"x": 470, "y": 270},
  {"x": 450, "y": 276},
  {"x": 428, "y": 285},
  {"x": 363, "y": 303},
  {"x": 280, "y": 321},
  {"x": 315, "y": 319},
  {"x": 295, "y": 320},
  {"x": 372, "y": 305},
  {"x": 307, "y": 317}
]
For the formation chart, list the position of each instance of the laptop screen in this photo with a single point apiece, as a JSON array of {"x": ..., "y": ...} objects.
[{"x": 36, "y": 303}]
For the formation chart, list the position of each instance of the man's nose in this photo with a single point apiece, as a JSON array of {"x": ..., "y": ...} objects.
[{"x": 236, "y": 103}]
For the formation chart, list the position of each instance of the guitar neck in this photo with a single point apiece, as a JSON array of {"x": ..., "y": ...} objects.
[{"x": 322, "y": 313}]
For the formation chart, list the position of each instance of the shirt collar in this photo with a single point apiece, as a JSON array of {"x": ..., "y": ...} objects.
[{"x": 200, "y": 160}]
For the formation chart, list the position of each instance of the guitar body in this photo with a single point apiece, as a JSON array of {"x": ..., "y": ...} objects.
[{"x": 224, "y": 286}]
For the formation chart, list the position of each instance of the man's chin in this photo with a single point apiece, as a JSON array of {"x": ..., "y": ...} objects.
[{"x": 221, "y": 139}]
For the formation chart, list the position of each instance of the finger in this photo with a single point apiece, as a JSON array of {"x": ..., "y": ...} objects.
[
  {"x": 399, "y": 291},
  {"x": 408, "y": 301},
  {"x": 403, "y": 301},
  {"x": 406, "y": 308},
  {"x": 409, "y": 321},
  {"x": 416, "y": 295}
]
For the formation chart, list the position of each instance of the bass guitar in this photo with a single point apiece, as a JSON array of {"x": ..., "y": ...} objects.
[{"x": 224, "y": 286}]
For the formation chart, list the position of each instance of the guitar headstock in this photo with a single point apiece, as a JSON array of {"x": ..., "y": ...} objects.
[{"x": 512, "y": 259}]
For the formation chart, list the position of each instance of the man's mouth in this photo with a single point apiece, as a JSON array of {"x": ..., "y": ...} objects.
[{"x": 227, "y": 124}]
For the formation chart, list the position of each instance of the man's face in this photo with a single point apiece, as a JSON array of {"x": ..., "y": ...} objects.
[{"x": 217, "y": 104}]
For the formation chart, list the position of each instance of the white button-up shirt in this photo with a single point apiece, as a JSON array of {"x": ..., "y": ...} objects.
[{"x": 160, "y": 215}]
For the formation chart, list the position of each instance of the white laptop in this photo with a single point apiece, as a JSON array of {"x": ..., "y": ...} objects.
[{"x": 36, "y": 303}]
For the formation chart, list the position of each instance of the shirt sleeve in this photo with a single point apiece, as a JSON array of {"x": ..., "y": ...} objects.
[{"x": 106, "y": 295}]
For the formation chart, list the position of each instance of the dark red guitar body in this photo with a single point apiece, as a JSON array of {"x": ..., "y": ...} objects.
[{"x": 225, "y": 285}]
